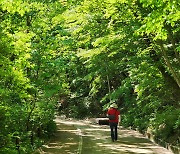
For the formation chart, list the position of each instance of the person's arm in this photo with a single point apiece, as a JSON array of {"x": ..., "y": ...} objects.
[
  {"x": 119, "y": 119},
  {"x": 107, "y": 113}
]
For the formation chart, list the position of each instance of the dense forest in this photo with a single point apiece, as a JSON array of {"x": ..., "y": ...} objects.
[{"x": 75, "y": 57}]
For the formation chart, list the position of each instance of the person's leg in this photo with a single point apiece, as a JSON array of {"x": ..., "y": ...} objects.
[
  {"x": 112, "y": 131},
  {"x": 115, "y": 131}
]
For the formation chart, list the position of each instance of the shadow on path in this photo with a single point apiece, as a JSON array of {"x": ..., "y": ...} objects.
[{"x": 83, "y": 137}]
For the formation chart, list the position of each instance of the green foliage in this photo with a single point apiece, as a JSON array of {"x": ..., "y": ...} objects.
[
  {"x": 31, "y": 77},
  {"x": 130, "y": 52},
  {"x": 166, "y": 124},
  {"x": 81, "y": 55}
]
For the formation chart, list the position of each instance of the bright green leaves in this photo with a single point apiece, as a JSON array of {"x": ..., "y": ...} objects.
[
  {"x": 95, "y": 86},
  {"x": 102, "y": 41},
  {"x": 91, "y": 52},
  {"x": 13, "y": 6},
  {"x": 161, "y": 13},
  {"x": 22, "y": 42},
  {"x": 32, "y": 72},
  {"x": 117, "y": 40},
  {"x": 154, "y": 25},
  {"x": 160, "y": 25}
]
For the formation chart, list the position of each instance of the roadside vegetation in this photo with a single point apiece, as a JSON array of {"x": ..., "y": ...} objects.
[{"x": 75, "y": 57}]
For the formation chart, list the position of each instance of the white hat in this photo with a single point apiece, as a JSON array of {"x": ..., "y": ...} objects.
[{"x": 114, "y": 105}]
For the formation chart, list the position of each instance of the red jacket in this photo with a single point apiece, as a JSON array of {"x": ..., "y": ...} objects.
[{"x": 114, "y": 112}]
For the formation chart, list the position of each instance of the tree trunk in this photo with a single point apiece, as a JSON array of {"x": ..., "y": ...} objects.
[{"x": 175, "y": 75}]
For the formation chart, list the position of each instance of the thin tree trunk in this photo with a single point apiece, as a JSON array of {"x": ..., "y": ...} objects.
[
  {"x": 170, "y": 33},
  {"x": 29, "y": 116},
  {"x": 175, "y": 75},
  {"x": 109, "y": 86}
]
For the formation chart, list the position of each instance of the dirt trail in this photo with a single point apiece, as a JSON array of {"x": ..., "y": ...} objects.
[{"x": 83, "y": 137}]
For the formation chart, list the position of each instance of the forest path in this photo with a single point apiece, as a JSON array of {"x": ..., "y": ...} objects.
[{"x": 84, "y": 137}]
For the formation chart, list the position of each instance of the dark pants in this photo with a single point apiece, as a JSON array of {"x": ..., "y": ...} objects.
[{"x": 113, "y": 127}]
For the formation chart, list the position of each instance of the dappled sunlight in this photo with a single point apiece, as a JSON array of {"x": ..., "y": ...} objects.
[
  {"x": 70, "y": 122},
  {"x": 66, "y": 130},
  {"x": 73, "y": 123},
  {"x": 130, "y": 133},
  {"x": 99, "y": 129},
  {"x": 125, "y": 148},
  {"x": 65, "y": 141},
  {"x": 74, "y": 136},
  {"x": 70, "y": 131}
]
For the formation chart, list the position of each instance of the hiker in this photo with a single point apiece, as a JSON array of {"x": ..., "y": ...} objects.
[{"x": 114, "y": 119}]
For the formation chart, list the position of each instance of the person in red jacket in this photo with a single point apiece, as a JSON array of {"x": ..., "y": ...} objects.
[{"x": 113, "y": 110}]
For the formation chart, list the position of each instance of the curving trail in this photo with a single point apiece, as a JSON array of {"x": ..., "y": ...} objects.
[{"x": 85, "y": 137}]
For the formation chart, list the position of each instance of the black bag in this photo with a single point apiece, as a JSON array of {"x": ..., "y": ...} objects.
[{"x": 111, "y": 117}]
